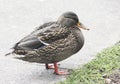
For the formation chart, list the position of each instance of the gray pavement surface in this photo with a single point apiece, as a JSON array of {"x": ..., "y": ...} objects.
[{"x": 19, "y": 17}]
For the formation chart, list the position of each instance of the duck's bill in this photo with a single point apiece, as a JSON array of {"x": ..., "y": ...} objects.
[{"x": 82, "y": 26}]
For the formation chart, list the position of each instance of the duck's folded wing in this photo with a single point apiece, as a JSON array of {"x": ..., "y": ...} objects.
[
  {"x": 32, "y": 43},
  {"x": 50, "y": 41},
  {"x": 28, "y": 44},
  {"x": 40, "y": 39}
]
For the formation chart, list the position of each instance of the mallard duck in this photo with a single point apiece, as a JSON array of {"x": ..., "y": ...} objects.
[{"x": 52, "y": 42}]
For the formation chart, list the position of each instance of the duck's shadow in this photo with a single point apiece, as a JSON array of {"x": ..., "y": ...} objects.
[
  {"x": 48, "y": 75},
  {"x": 34, "y": 72}
]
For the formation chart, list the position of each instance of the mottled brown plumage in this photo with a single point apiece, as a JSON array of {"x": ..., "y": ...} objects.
[
  {"x": 53, "y": 41},
  {"x": 62, "y": 43}
]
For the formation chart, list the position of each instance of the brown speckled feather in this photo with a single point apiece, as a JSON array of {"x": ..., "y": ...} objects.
[{"x": 50, "y": 43}]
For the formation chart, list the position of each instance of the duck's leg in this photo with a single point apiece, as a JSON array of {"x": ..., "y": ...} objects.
[{"x": 59, "y": 72}]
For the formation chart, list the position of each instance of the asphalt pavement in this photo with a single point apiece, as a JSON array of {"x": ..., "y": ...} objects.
[{"x": 19, "y": 17}]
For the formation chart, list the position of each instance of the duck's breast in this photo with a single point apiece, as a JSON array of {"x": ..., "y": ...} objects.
[{"x": 78, "y": 37}]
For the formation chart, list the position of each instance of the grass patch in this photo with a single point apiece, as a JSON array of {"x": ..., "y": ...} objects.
[{"x": 92, "y": 73}]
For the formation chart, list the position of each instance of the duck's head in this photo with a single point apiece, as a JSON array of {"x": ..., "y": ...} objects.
[{"x": 70, "y": 19}]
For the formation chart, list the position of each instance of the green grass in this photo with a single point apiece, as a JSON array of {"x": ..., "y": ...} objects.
[{"x": 92, "y": 73}]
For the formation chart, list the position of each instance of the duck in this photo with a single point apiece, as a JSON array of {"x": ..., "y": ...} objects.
[{"x": 52, "y": 42}]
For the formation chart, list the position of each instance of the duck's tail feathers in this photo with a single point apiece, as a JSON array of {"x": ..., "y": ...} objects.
[
  {"x": 14, "y": 47},
  {"x": 10, "y": 53}
]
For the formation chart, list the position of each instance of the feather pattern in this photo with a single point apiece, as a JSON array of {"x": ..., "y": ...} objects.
[{"x": 49, "y": 43}]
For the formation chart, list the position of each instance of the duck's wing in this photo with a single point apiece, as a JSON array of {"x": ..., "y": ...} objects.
[
  {"x": 36, "y": 31},
  {"x": 31, "y": 41},
  {"x": 40, "y": 38}
]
